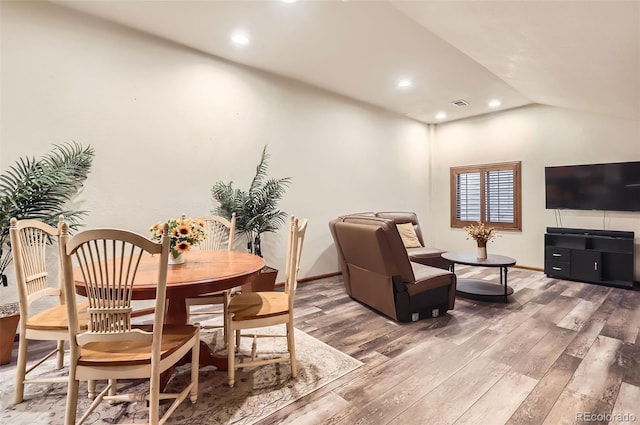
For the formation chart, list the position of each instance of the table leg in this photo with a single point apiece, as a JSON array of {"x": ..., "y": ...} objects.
[
  {"x": 177, "y": 315},
  {"x": 209, "y": 358},
  {"x": 505, "y": 283},
  {"x": 176, "y": 312}
]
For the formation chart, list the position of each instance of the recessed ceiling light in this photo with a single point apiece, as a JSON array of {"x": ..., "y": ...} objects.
[
  {"x": 494, "y": 103},
  {"x": 441, "y": 115},
  {"x": 240, "y": 38},
  {"x": 288, "y": 1},
  {"x": 404, "y": 83}
]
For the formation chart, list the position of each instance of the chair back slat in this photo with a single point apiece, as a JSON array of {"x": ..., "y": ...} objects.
[
  {"x": 108, "y": 261},
  {"x": 220, "y": 233},
  {"x": 297, "y": 232},
  {"x": 29, "y": 240},
  {"x": 109, "y": 268},
  {"x": 34, "y": 244}
]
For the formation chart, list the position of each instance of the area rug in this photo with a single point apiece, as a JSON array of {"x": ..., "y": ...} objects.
[{"x": 257, "y": 393}]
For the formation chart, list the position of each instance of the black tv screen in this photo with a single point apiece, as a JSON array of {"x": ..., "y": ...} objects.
[{"x": 610, "y": 187}]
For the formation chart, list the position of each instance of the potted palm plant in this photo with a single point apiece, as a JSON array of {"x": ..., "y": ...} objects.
[
  {"x": 37, "y": 189},
  {"x": 256, "y": 212}
]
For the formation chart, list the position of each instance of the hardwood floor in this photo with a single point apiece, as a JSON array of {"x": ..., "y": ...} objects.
[{"x": 559, "y": 352}]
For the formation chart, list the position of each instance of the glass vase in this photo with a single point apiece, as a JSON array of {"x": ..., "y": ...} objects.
[{"x": 176, "y": 260}]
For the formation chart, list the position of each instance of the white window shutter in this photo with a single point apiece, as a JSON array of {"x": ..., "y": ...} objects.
[
  {"x": 499, "y": 196},
  {"x": 468, "y": 196}
]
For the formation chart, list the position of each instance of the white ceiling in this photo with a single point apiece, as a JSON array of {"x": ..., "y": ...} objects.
[{"x": 577, "y": 54}]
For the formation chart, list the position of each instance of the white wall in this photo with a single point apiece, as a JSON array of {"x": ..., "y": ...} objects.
[
  {"x": 538, "y": 136},
  {"x": 167, "y": 122}
]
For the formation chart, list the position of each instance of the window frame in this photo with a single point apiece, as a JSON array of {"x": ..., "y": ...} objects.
[{"x": 515, "y": 166}]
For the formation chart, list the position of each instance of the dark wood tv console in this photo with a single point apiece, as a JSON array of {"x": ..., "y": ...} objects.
[{"x": 596, "y": 256}]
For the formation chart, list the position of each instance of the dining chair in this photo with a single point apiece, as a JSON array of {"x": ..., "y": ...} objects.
[
  {"x": 29, "y": 240},
  {"x": 220, "y": 237},
  {"x": 112, "y": 348},
  {"x": 262, "y": 309}
]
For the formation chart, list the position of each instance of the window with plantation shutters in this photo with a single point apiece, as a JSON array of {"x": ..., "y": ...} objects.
[{"x": 487, "y": 193}]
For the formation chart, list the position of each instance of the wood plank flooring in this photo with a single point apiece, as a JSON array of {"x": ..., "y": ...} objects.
[{"x": 559, "y": 352}]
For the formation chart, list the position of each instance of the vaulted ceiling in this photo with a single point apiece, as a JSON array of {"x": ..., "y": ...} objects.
[{"x": 583, "y": 55}]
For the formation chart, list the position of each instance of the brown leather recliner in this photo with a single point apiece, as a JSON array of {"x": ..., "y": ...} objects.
[
  {"x": 377, "y": 271},
  {"x": 423, "y": 255}
]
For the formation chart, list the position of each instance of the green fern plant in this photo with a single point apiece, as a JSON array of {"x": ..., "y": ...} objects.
[
  {"x": 257, "y": 208},
  {"x": 40, "y": 189}
]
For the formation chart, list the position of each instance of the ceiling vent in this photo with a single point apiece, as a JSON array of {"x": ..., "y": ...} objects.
[{"x": 460, "y": 103}]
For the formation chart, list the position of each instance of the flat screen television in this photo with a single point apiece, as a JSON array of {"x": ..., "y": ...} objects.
[{"x": 611, "y": 187}]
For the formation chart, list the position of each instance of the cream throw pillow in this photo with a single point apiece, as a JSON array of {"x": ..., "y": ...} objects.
[{"x": 408, "y": 235}]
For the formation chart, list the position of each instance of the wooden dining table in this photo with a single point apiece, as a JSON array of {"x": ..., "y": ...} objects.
[{"x": 203, "y": 272}]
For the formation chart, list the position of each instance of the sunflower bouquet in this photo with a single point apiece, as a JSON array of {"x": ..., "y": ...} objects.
[
  {"x": 481, "y": 233},
  {"x": 185, "y": 232}
]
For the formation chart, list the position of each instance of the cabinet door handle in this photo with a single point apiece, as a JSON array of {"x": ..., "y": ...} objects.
[
  {"x": 555, "y": 254},
  {"x": 557, "y": 268},
  {"x": 595, "y": 266}
]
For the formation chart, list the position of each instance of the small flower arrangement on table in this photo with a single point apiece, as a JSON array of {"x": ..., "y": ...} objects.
[
  {"x": 481, "y": 233},
  {"x": 184, "y": 232}
]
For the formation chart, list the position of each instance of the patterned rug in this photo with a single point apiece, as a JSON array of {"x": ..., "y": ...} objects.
[{"x": 257, "y": 393}]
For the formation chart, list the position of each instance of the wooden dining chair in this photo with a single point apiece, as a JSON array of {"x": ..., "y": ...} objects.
[
  {"x": 261, "y": 309},
  {"x": 220, "y": 237},
  {"x": 112, "y": 348},
  {"x": 29, "y": 240}
]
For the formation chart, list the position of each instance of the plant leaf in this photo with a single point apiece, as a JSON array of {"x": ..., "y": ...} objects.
[
  {"x": 256, "y": 209},
  {"x": 40, "y": 189}
]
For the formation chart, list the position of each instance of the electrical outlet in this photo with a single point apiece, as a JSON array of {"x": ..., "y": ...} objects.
[{"x": 415, "y": 317}]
